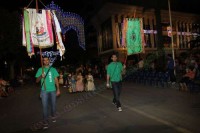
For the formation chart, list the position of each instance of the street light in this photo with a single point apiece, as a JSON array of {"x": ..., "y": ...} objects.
[{"x": 172, "y": 40}]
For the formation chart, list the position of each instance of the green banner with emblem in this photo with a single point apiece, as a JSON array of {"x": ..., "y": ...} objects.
[{"x": 134, "y": 36}]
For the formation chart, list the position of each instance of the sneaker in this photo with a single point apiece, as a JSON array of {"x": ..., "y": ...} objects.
[
  {"x": 173, "y": 83},
  {"x": 114, "y": 103},
  {"x": 119, "y": 109},
  {"x": 53, "y": 120},
  {"x": 45, "y": 126}
]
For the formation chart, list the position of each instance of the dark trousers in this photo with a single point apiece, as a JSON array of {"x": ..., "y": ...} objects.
[
  {"x": 185, "y": 80},
  {"x": 116, "y": 87},
  {"x": 172, "y": 76}
]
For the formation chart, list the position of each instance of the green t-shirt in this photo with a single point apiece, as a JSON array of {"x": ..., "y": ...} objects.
[
  {"x": 50, "y": 78},
  {"x": 114, "y": 70}
]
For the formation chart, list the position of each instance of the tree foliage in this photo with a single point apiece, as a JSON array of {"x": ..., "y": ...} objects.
[
  {"x": 11, "y": 49},
  {"x": 10, "y": 34}
]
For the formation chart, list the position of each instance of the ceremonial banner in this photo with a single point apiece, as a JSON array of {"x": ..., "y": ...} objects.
[
  {"x": 169, "y": 31},
  {"x": 118, "y": 27},
  {"x": 124, "y": 31},
  {"x": 134, "y": 36},
  {"x": 26, "y": 33},
  {"x": 40, "y": 28},
  {"x": 117, "y": 35},
  {"x": 60, "y": 45},
  {"x": 38, "y": 31}
]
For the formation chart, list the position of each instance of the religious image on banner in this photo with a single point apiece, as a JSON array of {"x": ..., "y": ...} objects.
[
  {"x": 38, "y": 30},
  {"x": 134, "y": 36}
]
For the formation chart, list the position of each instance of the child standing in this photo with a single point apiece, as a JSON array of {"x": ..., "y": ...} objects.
[
  {"x": 73, "y": 82},
  {"x": 90, "y": 82},
  {"x": 61, "y": 81},
  {"x": 69, "y": 83},
  {"x": 79, "y": 82}
]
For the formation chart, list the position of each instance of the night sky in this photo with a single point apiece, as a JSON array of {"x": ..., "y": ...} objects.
[{"x": 88, "y": 7}]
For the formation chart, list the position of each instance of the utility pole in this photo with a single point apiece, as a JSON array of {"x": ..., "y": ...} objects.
[{"x": 172, "y": 40}]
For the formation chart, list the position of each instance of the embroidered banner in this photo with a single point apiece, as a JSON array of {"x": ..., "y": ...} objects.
[
  {"x": 124, "y": 31},
  {"x": 60, "y": 45},
  {"x": 26, "y": 33},
  {"x": 38, "y": 31},
  {"x": 134, "y": 36},
  {"x": 40, "y": 28}
]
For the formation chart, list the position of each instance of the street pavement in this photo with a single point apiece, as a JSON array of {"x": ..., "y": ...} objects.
[{"x": 146, "y": 109}]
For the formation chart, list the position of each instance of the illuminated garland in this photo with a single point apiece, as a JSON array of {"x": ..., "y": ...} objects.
[
  {"x": 69, "y": 21},
  {"x": 52, "y": 55}
]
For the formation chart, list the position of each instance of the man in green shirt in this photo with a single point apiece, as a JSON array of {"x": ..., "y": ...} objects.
[
  {"x": 49, "y": 89},
  {"x": 114, "y": 75}
]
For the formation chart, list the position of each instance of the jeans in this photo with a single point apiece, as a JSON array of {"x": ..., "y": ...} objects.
[
  {"x": 48, "y": 98},
  {"x": 116, "y": 87}
]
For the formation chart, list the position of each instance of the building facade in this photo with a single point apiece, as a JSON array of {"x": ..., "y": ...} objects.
[{"x": 185, "y": 27}]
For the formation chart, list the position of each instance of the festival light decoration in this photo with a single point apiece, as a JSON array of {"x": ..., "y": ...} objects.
[
  {"x": 68, "y": 21},
  {"x": 52, "y": 55}
]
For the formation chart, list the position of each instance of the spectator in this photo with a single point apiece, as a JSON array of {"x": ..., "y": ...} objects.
[
  {"x": 190, "y": 75},
  {"x": 170, "y": 68},
  {"x": 141, "y": 63}
]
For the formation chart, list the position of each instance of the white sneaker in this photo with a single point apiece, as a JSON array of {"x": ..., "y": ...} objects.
[
  {"x": 173, "y": 83},
  {"x": 119, "y": 109},
  {"x": 53, "y": 120},
  {"x": 45, "y": 126}
]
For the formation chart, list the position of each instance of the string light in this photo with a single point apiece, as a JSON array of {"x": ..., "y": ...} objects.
[{"x": 69, "y": 20}]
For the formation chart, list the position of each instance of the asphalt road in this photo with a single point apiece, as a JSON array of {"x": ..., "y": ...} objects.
[{"x": 146, "y": 109}]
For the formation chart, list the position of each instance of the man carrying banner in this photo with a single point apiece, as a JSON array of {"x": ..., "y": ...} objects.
[
  {"x": 114, "y": 75},
  {"x": 48, "y": 76}
]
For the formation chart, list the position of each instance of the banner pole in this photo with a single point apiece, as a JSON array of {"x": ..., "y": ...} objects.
[{"x": 40, "y": 47}]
